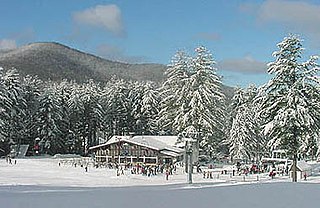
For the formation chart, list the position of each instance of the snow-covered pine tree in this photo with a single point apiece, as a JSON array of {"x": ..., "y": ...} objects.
[
  {"x": 32, "y": 88},
  {"x": 63, "y": 92},
  {"x": 47, "y": 118},
  {"x": 238, "y": 137},
  {"x": 135, "y": 120},
  {"x": 5, "y": 104},
  {"x": 203, "y": 113},
  {"x": 290, "y": 103},
  {"x": 172, "y": 93},
  {"x": 85, "y": 104},
  {"x": 12, "y": 106},
  {"x": 192, "y": 101},
  {"x": 150, "y": 108},
  {"x": 244, "y": 140},
  {"x": 75, "y": 108},
  {"x": 115, "y": 98}
]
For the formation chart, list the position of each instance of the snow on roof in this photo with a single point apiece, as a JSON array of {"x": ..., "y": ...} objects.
[
  {"x": 159, "y": 142},
  {"x": 152, "y": 142},
  {"x": 267, "y": 159},
  {"x": 169, "y": 140},
  {"x": 302, "y": 166},
  {"x": 280, "y": 151},
  {"x": 113, "y": 139},
  {"x": 173, "y": 154}
]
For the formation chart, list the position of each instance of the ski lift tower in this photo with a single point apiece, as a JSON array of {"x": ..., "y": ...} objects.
[
  {"x": 189, "y": 151},
  {"x": 189, "y": 143}
]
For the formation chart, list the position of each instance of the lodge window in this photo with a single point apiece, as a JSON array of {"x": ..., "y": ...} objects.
[{"x": 150, "y": 160}]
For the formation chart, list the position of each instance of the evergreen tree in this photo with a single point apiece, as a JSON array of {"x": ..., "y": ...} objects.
[
  {"x": 290, "y": 103},
  {"x": 48, "y": 117},
  {"x": 86, "y": 113},
  {"x": 135, "y": 119},
  {"x": 172, "y": 91},
  {"x": 12, "y": 107},
  {"x": 150, "y": 108},
  {"x": 204, "y": 111},
  {"x": 193, "y": 100},
  {"x": 75, "y": 107},
  {"x": 63, "y": 92},
  {"x": 32, "y": 88},
  {"x": 245, "y": 141},
  {"x": 115, "y": 102},
  {"x": 239, "y": 137}
]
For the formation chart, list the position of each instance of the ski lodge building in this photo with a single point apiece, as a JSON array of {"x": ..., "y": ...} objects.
[{"x": 138, "y": 149}]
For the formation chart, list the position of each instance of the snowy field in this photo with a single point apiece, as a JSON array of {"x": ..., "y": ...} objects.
[
  {"x": 38, "y": 183},
  {"x": 47, "y": 172}
]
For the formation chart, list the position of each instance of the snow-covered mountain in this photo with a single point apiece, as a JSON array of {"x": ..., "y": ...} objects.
[{"x": 55, "y": 61}]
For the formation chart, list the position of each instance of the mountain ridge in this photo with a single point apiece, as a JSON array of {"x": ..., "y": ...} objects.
[{"x": 55, "y": 61}]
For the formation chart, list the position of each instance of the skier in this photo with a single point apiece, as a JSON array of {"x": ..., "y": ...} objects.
[{"x": 167, "y": 174}]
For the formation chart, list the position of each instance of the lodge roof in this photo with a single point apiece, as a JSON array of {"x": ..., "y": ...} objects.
[
  {"x": 159, "y": 143},
  {"x": 302, "y": 166}
]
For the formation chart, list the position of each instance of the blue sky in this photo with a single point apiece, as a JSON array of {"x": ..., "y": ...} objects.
[{"x": 241, "y": 34}]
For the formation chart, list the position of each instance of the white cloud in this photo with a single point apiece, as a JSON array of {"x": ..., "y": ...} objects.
[
  {"x": 6, "y": 44},
  {"x": 107, "y": 17},
  {"x": 295, "y": 16},
  {"x": 293, "y": 12},
  {"x": 243, "y": 65}
]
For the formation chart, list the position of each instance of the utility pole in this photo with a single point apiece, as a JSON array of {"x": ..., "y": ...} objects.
[
  {"x": 189, "y": 142},
  {"x": 186, "y": 158},
  {"x": 189, "y": 153},
  {"x": 295, "y": 136}
]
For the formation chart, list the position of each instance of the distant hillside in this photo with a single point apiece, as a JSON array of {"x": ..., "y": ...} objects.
[{"x": 57, "y": 62}]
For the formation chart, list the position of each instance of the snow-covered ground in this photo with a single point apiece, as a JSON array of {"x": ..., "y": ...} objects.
[
  {"x": 43, "y": 183},
  {"x": 47, "y": 172}
]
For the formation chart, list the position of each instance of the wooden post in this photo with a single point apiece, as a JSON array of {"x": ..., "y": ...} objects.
[{"x": 294, "y": 168}]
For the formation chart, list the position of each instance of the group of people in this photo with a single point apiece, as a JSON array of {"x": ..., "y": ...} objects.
[
  {"x": 75, "y": 164},
  {"x": 145, "y": 170},
  {"x": 9, "y": 160},
  {"x": 207, "y": 174}
]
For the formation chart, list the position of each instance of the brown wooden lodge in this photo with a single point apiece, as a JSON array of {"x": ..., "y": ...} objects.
[{"x": 146, "y": 150}]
